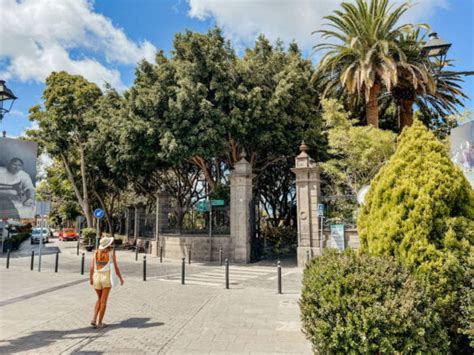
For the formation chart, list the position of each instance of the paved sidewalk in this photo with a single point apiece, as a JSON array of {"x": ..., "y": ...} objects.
[{"x": 49, "y": 313}]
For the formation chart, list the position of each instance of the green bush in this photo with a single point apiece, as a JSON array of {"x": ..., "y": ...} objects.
[
  {"x": 88, "y": 235},
  {"x": 362, "y": 304},
  {"x": 14, "y": 242},
  {"x": 420, "y": 208},
  {"x": 280, "y": 240}
]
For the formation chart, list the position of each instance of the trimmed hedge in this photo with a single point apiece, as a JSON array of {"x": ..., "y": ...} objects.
[{"x": 363, "y": 304}]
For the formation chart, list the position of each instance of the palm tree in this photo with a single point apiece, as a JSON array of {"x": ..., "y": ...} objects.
[
  {"x": 364, "y": 53},
  {"x": 420, "y": 82},
  {"x": 415, "y": 77}
]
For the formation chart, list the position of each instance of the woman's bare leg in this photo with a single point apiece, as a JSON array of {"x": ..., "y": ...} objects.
[
  {"x": 103, "y": 304},
  {"x": 97, "y": 305}
]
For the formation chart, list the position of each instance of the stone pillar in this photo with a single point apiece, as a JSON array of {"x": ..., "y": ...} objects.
[
  {"x": 161, "y": 223},
  {"x": 308, "y": 194},
  {"x": 240, "y": 199}
]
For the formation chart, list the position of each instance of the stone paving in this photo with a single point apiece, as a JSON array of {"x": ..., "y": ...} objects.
[{"x": 45, "y": 312}]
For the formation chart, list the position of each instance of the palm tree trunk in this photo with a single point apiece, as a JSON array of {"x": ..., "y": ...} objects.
[
  {"x": 406, "y": 113},
  {"x": 372, "y": 106}
]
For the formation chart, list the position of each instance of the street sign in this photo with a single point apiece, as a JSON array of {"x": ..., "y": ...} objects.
[
  {"x": 202, "y": 206},
  {"x": 320, "y": 210},
  {"x": 99, "y": 213},
  {"x": 43, "y": 208},
  {"x": 217, "y": 202}
]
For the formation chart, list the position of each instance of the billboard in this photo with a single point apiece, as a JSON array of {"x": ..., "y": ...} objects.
[
  {"x": 17, "y": 178},
  {"x": 462, "y": 152}
]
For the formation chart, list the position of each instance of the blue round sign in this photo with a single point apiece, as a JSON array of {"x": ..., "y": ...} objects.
[{"x": 99, "y": 213}]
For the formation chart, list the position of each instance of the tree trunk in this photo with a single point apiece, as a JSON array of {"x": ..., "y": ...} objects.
[
  {"x": 201, "y": 164},
  {"x": 80, "y": 198},
  {"x": 85, "y": 192},
  {"x": 107, "y": 212},
  {"x": 406, "y": 113},
  {"x": 372, "y": 106}
]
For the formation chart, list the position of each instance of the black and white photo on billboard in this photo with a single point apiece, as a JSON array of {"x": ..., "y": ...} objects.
[
  {"x": 17, "y": 178},
  {"x": 462, "y": 150}
]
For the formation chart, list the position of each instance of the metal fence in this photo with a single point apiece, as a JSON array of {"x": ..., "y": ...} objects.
[
  {"x": 147, "y": 225},
  {"x": 193, "y": 221}
]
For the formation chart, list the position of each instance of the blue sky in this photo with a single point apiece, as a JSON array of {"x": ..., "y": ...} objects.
[{"x": 103, "y": 39}]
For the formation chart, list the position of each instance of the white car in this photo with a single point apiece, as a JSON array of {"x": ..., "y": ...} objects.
[{"x": 36, "y": 235}]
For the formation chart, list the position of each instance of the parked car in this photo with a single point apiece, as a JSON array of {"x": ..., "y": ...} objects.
[
  {"x": 68, "y": 234},
  {"x": 36, "y": 235}
]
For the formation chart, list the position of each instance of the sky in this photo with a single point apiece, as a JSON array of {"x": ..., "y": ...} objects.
[{"x": 104, "y": 39}]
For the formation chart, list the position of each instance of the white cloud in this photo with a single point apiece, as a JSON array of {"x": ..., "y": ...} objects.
[
  {"x": 244, "y": 20},
  {"x": 40, "y": 36}
]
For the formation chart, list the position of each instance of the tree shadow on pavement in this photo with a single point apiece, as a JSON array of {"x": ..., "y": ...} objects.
[{"x": 42, "y": 338}]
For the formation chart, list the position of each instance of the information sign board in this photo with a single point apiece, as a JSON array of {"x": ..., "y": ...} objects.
[{"x": 337, "y": 236}]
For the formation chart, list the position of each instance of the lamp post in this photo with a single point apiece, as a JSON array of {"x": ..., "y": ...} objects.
[
  {"x": 436, "y": 48},
  {"x": 6, "y": 95}
]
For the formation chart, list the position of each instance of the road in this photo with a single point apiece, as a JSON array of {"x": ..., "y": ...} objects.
[{"x": 47, "y": 312}]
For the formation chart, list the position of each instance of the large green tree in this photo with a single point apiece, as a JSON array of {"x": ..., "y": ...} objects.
[
  {"x": 420, "y": 209},
  {"x": 356, "y": 155},
  {"x": 64, "y": 128},
  {"x": 204, "y": 105}
]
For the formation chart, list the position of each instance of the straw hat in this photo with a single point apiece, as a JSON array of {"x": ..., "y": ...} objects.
[{"x": 105, "y": 242}]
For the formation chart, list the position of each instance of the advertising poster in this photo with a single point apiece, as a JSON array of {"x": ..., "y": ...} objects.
[
  {"x": 462, "y": 153},
  {"x": 17, "y": 178}
]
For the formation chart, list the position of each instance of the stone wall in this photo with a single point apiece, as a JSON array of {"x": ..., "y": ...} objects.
[{"x": 176, "y": 247}]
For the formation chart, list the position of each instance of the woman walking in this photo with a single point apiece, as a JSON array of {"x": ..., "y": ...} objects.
[{"x": 103, "y": 273}]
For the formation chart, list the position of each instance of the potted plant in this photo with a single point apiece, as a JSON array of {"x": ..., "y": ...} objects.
[{"x": 88, "y": 238}]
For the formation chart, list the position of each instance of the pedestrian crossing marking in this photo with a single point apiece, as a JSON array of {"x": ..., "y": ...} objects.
[{"x": 216, "y": 277}]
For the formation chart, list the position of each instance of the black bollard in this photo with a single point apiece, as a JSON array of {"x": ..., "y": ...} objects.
[
  {"x": 183, "y": 265},
  {"x": 8, "y": 258},
  {"x": 77, "y": 248},
  {"x": 32, "y": 260},
  {"x": 220, "y": 256},
  {"x": 144, "y": 267},
  {"x": 161, "y": 254},
  {"x": 189, "y": 256},
  {"x": 279, "y": 277},
  {"x": 227, "y": 274},
  {"x": 83, "y": 259},
  {"x": 56, "y": 264},
  {"x": 307, "y": 255},
  {"x": 136, "y": 253}
]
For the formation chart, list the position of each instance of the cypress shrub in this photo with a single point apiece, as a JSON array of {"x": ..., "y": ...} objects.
[{"x": 420, "y": 209}]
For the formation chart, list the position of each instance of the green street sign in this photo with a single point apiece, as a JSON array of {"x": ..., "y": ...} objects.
[
  {"x": 201, "y": 206},
  {"x": 217, "y": 202}
]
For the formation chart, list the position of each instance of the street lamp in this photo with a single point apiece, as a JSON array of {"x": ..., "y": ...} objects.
[
  {"x": 5, "y": 95},
  {"x": 436, "y": 47}
]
